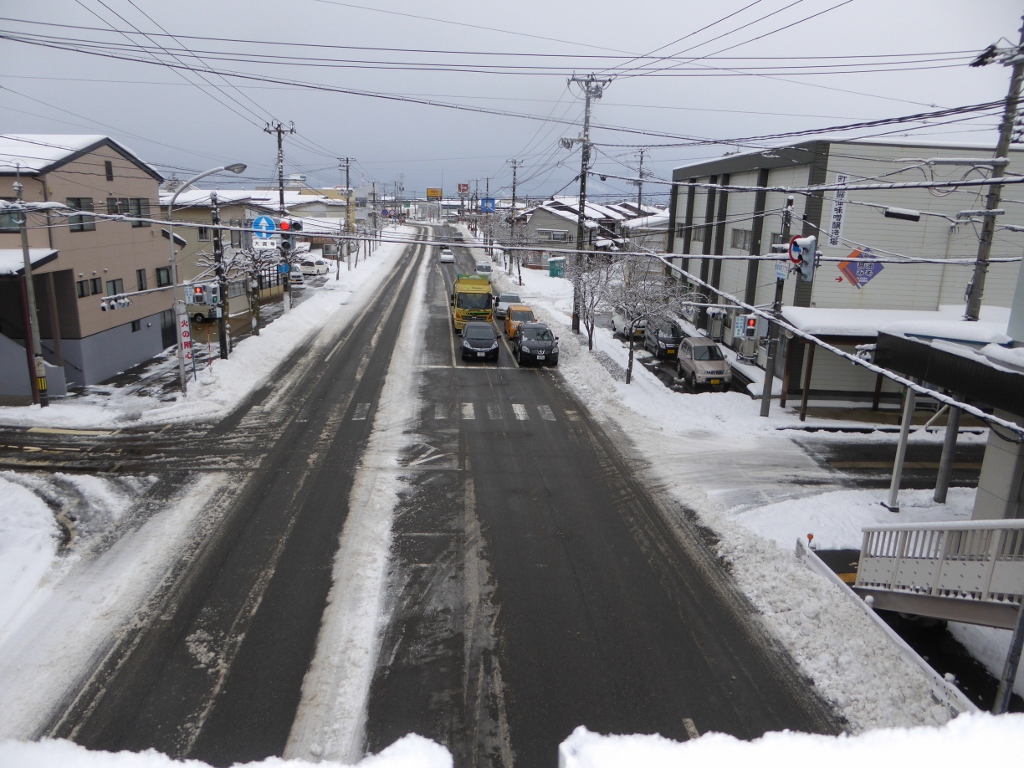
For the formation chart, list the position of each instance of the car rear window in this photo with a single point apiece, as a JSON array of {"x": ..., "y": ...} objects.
[
  {"x": 509, "y": 298},
  {"x": 479, "y": 332}
]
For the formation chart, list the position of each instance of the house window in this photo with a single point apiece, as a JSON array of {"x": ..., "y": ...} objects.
[
  {"x": 80, "y": 222},
  {"x": 163, "y": 276},
  {"x": 741, "y": 239},
  {"x": 8, "y": 221},
  {"x": 140, "y": 279},
  {"x": 697, "y": 236},
  {"x": 136, "y": 325},
  {"x": 236, "y": 233},
  {"x": 96, "y": 285},
  {"x": 554, "y": 235},
  {"x": 115, "y": 287},
  {"x": 776, "y": 238},
  {"x": 204, "y": 234},
  {"x": 109, "y": 168},
  {"x": 83, "y": 288},
  {"x": 117, "y": 206},
  {"x": 139, "y": 208}
]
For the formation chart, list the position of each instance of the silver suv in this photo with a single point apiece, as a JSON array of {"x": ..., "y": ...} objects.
[{"x": 702, "y": 362}]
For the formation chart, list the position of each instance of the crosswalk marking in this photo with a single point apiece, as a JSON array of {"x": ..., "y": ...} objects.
[
  {"x": 494, "y": 410},
  {"x": 546, "y": 413},
  {"x": 572, "y": 415},
  {"x": 362, "y": 409},
  {"x": 520, "y": 411},
  {"x": 440, "y": 411},
  {"x": 467, "y": 411}
]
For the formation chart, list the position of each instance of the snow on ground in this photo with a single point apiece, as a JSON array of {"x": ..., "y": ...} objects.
[{"x": 745, "y": 479}]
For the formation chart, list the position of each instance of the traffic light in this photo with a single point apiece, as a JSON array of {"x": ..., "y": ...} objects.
[
  {"x": 750, "y": 326},
  {"x": 803, "y": 253},
  {"x": 285, "y": 229},
  {"x": 199, "y": 294}
]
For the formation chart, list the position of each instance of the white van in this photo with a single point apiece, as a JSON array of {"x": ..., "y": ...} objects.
[{"x": 483, "y": 268}]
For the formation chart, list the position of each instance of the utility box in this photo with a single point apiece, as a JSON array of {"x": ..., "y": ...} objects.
[{"x": 556, "y": 266}]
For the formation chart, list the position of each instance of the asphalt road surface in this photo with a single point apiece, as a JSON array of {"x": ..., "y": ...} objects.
[{"x": 537, "y": 584}]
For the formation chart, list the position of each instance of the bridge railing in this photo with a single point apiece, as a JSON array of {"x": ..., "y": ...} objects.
[{"x": 970, "y": 571}]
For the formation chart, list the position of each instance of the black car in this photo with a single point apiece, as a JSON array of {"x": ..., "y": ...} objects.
[
  {"x": 535, "y": 343},
  {"x": 662, "y": 338},
  {"x": 479, "y": 341}
]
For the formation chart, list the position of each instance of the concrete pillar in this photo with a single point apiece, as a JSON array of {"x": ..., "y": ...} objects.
[{"x": 1000, "y": 494}]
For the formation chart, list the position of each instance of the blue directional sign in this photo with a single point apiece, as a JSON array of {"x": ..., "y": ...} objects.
[
  {"x": 264, "y": 226},
  {"x": 487, "y": 205}
]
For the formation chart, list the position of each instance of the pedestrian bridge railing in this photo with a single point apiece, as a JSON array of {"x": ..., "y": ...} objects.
[{"x": 971, "y": 571}]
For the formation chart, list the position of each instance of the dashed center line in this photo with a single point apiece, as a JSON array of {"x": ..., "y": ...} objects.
[
  {"x": 546, "y": 413},
  {"x": 572, "y": 415},
  {"x": 494, "y": 410},
  {"x": 467, "y": 411},
  {"x": 362, "y": 409},
  {"x": 440, "y": 411},
  {"x": 520, "y": 411}
]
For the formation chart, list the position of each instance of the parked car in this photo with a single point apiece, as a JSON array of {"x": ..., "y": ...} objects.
[
  {"x": 483, "y": 268},
  {"x": 662, "y": 338},
  {"x": 447, "y": 257},
  {"x": 515, "y": 315},
  {"x": 502, "y": 302},
  {"x": 535, "y": 343},
  {"x": 314, "y": 267},
  {"x": 621, "y": 324},
  {"x": 701, "y": 361},
  {"x": 479, "y": 341},
  {"x": 296, "y": 277}
]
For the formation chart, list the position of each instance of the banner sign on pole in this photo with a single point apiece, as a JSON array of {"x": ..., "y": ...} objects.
[{"x": 487, "y": 205}]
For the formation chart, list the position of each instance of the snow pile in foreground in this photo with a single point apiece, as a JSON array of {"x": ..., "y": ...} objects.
[
  {"x": 411, "y": 751},
  {"x": 970, "y": 739}
]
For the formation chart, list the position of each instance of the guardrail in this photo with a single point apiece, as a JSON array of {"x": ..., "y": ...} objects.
[{"x": 972, "y": 571}]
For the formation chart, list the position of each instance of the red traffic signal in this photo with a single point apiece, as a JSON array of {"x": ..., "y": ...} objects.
[{"x": 284, "y": 225}]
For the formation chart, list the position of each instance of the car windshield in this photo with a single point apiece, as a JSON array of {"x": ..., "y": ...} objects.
[
  {"x": 509, "y": 298},
  {"x": 671, "y": 332},
  {"x": 474, "y": 301},
  {"x": 708, "y": 353},
  {"x": 538, "y": 334},
  {"x": 483, "y": 267},
  {"x": 478, "y": 332},
  {"x": 522, "y": 314}
]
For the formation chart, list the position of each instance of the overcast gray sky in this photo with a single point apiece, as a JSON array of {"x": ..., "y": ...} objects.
[{"x": 96, "y": 74}]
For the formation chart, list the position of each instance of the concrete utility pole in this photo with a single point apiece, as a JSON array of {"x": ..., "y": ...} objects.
[
  {"x": 222, "y": 278},
  {"x": 976, "y": 288},
  {"x": 33, "y": 345},
  {"x": 640, "y": 186},
  {"x": 592, "y": 89},
  {"x": 279, "y": 128},
  {"x": 773, "y": 331},
  {"x": 512, "y": 220}
]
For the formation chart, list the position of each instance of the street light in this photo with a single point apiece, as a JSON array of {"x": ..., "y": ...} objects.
[{"x": 180, "y": 313}]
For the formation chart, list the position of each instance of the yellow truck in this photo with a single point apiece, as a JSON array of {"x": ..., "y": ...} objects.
[{"x": 471, "y": 300}]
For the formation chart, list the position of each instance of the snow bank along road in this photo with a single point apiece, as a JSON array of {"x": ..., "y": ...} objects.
[
  {"x": 216, "y": 674},
  {"x": 538, "y": 585}
]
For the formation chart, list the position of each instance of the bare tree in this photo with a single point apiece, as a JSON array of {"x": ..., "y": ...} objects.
[
  {"x": 644, "y": 294},
  {"x": 593, "y": 278},
  {"x": 254, "y": 264}
]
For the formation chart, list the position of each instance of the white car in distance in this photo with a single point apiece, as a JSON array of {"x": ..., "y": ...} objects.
[{"x": 447, "y": 257}]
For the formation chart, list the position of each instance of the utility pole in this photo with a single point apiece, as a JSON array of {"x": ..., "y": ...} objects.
[
  {"x": 976, "y": 288},
  {"x": 33, "y": 345},
  {"x": 278, "y": 127},
  {"x": 592, "y": 89},
  {"x": 222, "y": 278},
  {"x": 773, "y": 331},
  {"x": 640, "y": 186},
  {"x": 512, "y": 220}
]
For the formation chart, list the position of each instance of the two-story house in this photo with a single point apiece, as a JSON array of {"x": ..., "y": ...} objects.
[{"x": 105, "y": 244}]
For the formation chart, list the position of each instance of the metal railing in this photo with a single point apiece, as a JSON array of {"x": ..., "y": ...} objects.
[{"x": 971, "y": 571}]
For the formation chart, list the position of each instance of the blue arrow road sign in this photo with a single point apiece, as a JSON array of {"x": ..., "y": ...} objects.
[{"x": 264, "y": 226}]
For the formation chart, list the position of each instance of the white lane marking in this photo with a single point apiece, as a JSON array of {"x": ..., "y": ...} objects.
[
  {"x": 691, "y": 729},
  {"x": 494, "y": 411},
  {"x": 362, "y": 409},
  {"x": 572, "y": 415},
  {"x": 520, "y": 411},
  {"x": 440, "y": 411},
  {"x": 467, "y": 411},
  {"x": 546, "y": 413}
]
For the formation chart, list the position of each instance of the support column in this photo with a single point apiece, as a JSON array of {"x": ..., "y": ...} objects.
[
  {"x": 1002, "y": 477},
  {"x": 948, "y": 454},
  {"x": 893, "y": 504}
]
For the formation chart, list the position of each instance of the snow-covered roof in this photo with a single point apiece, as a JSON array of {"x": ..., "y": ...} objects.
[
  {"x": 12, "y": 260},
  {"x": 37, "y": 152},
  {"x": 656, "y": 221},
  {"x": 261, "y": 197},
  {"x": 944, "y": 323}
]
